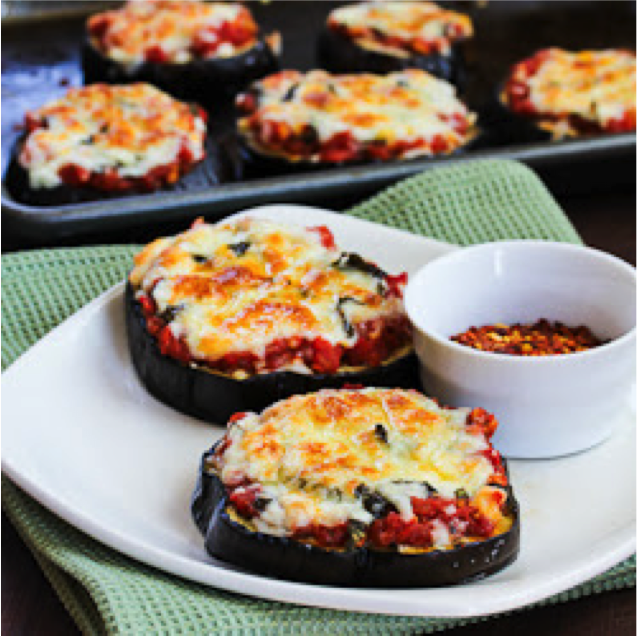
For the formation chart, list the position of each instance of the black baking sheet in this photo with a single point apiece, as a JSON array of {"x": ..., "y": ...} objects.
[{"x": 40, "y": 59}]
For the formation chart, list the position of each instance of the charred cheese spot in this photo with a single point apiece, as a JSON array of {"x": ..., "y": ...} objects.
[
  {"x": 310, "y": 454},
  {"x": 131, "y": 130}
]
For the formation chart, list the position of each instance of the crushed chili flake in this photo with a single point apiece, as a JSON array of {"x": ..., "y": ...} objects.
[{"x": 542, "y": 338}]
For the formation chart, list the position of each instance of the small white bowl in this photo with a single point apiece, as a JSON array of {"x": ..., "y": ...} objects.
[{"x": 546, "y": 406}]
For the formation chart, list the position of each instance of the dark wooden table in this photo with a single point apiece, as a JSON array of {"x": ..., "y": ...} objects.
[{"x": 605, "y": 217}]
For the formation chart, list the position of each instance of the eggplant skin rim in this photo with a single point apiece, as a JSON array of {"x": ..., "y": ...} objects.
[
  {"x": 206, "y": 80},
  {"x": 338, "y": 54},
  {"x": 284, "y": 558},
  {"x": 214, "y": 397}
]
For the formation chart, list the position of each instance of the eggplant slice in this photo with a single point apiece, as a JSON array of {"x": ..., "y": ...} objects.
[
  {"x": 254, "y": 161},
  {"x": 215, "y": 168},
  {"x": 338, "y": 54},
  {"x": 214, "y": 397},
  {"x": 205, "y": 81},
  {"x": 230, "y": 540}
]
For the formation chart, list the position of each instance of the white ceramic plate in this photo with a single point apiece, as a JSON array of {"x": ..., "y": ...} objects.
[{"x": 82, "y": 436}]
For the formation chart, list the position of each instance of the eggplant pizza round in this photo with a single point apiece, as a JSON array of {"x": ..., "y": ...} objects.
[
  {"x": 322, "y": 119},
  {"x": 571, "y": 94},
  {"x": 368, "y": 487},
  {"x": 382, "y": 37},
  {"x": 233, "y": 316},
  {"x": 101, "y": 140},
  {"x": 194, "y": 50}
]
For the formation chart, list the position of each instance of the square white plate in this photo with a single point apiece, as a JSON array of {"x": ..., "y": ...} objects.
[{"x": 82, "y": 436}]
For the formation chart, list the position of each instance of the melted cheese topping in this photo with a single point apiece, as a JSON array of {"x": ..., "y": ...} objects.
[
  {"x": 598, "y": 86},
  {"x": 406, "y": 106},
  {"x": 132, "y": 129},
  {"x": 310, "y": 453},
  {"x": 241, "y": 285},
  {"x": 176, "y": 26},
  {"x": 416, "y": 25}
]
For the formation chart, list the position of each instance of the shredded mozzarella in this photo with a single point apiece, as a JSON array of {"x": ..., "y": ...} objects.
[{"x": 310, "y": 453}]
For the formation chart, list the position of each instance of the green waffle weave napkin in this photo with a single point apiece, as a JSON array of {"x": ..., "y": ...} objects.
[{"x": 108, "y": 593}]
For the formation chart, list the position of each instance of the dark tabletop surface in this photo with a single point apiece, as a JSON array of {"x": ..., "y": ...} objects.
[{"x": 600, "y": 202}]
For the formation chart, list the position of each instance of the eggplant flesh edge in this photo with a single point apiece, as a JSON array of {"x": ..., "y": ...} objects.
[
  {"x": 338, "y": 54},
  {"x": 214, "y": 397},
  {"x": 206, "y": 81},
  {"x": 228, "y": 540}
]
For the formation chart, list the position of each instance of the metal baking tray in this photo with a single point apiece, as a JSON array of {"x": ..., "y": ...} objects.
[{"x": 40, "y": 59}]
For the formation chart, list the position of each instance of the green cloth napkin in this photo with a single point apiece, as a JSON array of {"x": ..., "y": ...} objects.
[{"x": 108, "y": 593}]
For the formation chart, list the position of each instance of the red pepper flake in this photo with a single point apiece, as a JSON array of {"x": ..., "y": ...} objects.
[{"x": 542, "y": 338}]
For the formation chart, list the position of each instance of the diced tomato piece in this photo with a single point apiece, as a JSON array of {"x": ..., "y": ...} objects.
[
  {"x": 332, "y": 536},
  {"x": 154, "y": 325},
  {"x": 340, "y": 147},
  {"x": 458, "y": 122},
  {"x": 480, "y": 526},
  {"x": 185, "y": 156},
  {"x": 623, "y": 124},
  {"x": 243, "y": 500},
  {"x": 328, "y": 536},
  {"x": 439, "y": 144},
  {"x": 236, "y": 33},
  {"x": 481, "y": 420},
  {"x": 173, "y": 347},
  {"x": 380, "y": 151},
  {"x": 155, "y": 53},
  {"x": 396, "y": 283},
  {"x": 327, "y": 238},
  {"x": 238, "y": 416},
  {"x": 149, "y": 307},
  {"x": 326, "y": 357},
  {"x": 517, "y": 90},
  {"x": 499, "y": 473},
  {"x": 493, "y": 457},
  {"x": 366, "y": 352},
  {"x": 279, "y": 353},
  {"x": 99, "y": 24},
  {"x": 31, "y": 122},
  {"x": 377, "y": 339},
  {"x": 415, "y": 534},
  {"x": 237, "y": 360},
  {"x": 392, "y": 529},
  {"x": 205, "y": 42},
  {"x": 203, "y": 113},
  {"x": 302, "y": 142},
  {"x": 424, "y": 46},
  {"x": 74, "y": 175},
  {"x": 272, "y": 133},
  {"x": 246, "y": 103},
  {"x": 429, "y": 508},
  {"x": 160, "y": 175},
  {"x": 110, "y": 181}
]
